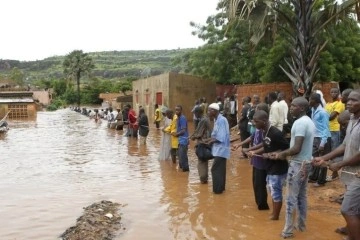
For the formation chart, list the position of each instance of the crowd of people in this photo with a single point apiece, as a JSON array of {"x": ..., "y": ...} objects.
[
  {"x": 288, "y": 146},
  {"x": 320, "y": 134},
  {"x": 118, "y": 119}
]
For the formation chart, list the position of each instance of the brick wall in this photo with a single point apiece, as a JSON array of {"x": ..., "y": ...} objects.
[
  {"x": 222, "y": 89},
  {"x": 263, "y": 89},
  {"x": 186, "y": 89},
  {"x": 325, "y": 89}
]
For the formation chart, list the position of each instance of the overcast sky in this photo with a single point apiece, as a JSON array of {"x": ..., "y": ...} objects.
[{"x": 37, "y": 29}]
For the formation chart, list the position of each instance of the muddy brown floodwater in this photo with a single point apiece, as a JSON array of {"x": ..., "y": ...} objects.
[{"x": 59, "y": 163}]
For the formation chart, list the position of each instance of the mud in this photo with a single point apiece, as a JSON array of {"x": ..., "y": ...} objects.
[{"x": 100, "y": 220}]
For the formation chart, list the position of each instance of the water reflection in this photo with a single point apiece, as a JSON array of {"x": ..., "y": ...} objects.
[{"x": 62, "y": 162}]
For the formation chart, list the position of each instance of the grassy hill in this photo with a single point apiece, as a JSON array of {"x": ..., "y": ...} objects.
[{"x": 108, "y": 65}]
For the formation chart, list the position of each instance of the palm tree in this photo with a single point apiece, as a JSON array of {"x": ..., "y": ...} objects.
[
  {"x": 75, "y": 65},
  {"x": 302, "y": 21}
]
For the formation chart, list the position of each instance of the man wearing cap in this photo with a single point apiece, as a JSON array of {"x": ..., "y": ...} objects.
[{"x": 220, "y": 140}]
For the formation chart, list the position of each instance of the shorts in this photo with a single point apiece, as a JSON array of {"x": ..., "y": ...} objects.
[
  {"x": 351, "y": 203},
  {"x": 275, "y": 184}
]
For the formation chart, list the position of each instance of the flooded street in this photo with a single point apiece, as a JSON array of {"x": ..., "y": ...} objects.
[{"x": 59, "y": 163}]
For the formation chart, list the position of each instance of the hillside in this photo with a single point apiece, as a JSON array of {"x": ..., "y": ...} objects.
[{"x": 108, "y": 65}]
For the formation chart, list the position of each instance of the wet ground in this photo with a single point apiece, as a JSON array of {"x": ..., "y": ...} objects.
[{"x": 54, "y": 166}]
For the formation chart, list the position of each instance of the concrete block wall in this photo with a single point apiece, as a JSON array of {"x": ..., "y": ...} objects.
[
  {"x": 144, "y": 93},
  {"x": 186, "y": 89},
  {"x": 44, "y": 97},
  {"x": 176, "y": 89}
]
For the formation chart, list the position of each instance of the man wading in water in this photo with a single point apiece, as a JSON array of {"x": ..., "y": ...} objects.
[
  {"x": 300, "y": 153},
  {"x": 220, "y": 140},
  {"x": 273, "y": 140},
  {"x": 350, "y": 165}
]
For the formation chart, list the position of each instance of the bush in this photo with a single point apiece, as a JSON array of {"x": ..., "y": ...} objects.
[
  {"x": 56, "y": 104},
  {"x": 51, "y": 107}
]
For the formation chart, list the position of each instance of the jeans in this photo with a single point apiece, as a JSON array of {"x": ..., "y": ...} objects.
[
  {"x": 335, "y": 139},
  {"x": 296, "y": 198},
  {"x": 318, "y": 174},
  {"x": 183, "y": 157},
  {"x": 275, "y": 184}
]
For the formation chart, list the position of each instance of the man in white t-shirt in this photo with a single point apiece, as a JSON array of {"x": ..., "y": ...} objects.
[
  {"x": 276, "y": 116},
  {"x": 283, "y": 106}
]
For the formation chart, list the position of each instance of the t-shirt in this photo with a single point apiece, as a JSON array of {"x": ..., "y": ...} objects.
[
  {"x": 256, "y": 161},
  {"x": 285, "y": 108},
  {"x": 243, "y": 123},
  {"x": 143, "y": 125},
  {"x": 352, "y": 147},
  {"x": 338, "y": 107},
  {"x": 251, "y": 112},
  {"x": 203, "y": 130},
  {"x": 221, "y": 107},
  {"x": 221, "y": 132},
  {"x": 227, "y": 106},
  {"x": 158, "y": 115},
  {"x": 303, "y": 127},
  {"x": 182, "y": 124},
  {"x": 276, "y": 116},
  {"x": 277, "y": 142}
]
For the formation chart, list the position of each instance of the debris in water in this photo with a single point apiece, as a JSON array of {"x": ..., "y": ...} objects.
[{"x": 95, "y": 224}]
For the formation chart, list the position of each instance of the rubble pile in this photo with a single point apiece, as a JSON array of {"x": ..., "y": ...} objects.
[{"x": 100, "y": 220}]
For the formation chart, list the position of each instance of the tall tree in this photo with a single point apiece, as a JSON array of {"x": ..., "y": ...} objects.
[
  {"x": 225, "y": 58},
  {"x": 303, "y": 21},
  {"x": 17, "y": 76},
  {"x": 75, "y": 65}
]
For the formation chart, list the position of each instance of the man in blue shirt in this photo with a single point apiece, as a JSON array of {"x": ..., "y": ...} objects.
[
  {"x": 183, "y": 135},
  {"x": 220, "y": 140},
  {"x": 322, "y": 138}
]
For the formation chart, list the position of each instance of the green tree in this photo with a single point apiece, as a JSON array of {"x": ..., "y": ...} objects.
[
  {"x": 303, "y": 21},
  {"x": 70, "y": 96},
  {"x": 123, "y": 86},
  {"x": 17, "y": 76},
  {"x": 340, "y": 61},
  {"x": 75, "y": 65},
  {"x": 43, "y": 83},
  {"x": 225, "y": 58},
  {"x": 59, "y": 86}
]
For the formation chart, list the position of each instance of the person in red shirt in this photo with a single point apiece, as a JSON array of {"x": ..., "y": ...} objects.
[{"x": 133, "y": 125}]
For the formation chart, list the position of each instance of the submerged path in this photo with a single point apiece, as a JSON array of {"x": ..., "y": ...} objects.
[{"x": 59, "y": 163}]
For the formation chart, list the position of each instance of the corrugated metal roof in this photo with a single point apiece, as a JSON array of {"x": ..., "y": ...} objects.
[
  {"x": 19, "y": 94},
  {"x": 16, "y": 100}
]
